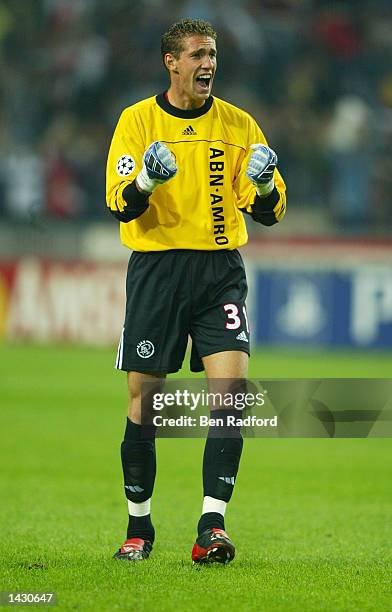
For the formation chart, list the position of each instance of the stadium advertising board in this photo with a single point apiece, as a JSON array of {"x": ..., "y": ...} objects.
[
  {"x": 329, "y": 308},
  {"x": 49, "y": 301},
  {"x": 82, "y": 302}
]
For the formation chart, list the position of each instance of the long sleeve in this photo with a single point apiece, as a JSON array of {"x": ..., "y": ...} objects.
[
  {"x": 123, "y": 199},
  {"x": 267, "y": 210}
]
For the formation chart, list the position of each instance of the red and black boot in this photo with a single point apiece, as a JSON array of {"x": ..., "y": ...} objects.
[
  {"x": 213, "y": 546},
  {"x": 134, "y": 549}
]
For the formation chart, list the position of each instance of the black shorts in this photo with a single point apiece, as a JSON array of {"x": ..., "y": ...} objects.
[{"x": 177, "y": 293}]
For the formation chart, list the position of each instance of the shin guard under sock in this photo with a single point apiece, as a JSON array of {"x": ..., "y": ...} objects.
[
  {"x": 222, "y": 454},
  {"x": 139, "y": 469}
]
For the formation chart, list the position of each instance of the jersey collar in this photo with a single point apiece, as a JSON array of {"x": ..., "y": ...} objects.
[{"x": 191, "y": 113}]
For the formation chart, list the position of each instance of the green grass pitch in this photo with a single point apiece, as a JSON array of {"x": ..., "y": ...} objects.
[{"x": 311, "y": 519}]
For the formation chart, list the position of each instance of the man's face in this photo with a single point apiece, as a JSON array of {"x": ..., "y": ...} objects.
[{"x": 193, "y": 72}]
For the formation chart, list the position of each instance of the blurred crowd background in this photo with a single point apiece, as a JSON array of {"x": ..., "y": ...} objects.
[{"x": 317, "y": 76}]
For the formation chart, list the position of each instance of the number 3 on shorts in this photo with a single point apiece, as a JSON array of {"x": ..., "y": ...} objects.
[{"x": 233, "y": 320}]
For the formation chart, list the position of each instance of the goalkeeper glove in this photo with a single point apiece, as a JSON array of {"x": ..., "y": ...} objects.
[
  {"x": 159, "y": 166},
  {"x": 261, "y": 168}
]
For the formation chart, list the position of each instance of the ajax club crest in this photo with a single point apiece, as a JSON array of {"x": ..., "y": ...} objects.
[{"x": 145, "y": 349}]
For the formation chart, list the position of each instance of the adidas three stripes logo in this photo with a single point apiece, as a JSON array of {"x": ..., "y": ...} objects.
[
  {"x": 227, "y": 479},
  {"x": 189, "y": 131},
  {"x": 134, "y": 488}
]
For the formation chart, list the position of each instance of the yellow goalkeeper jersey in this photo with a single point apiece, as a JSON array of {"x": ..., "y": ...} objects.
[{"x": 200, "y": 208}]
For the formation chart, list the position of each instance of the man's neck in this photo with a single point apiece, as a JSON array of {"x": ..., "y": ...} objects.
[{"x": 182, "y": 102}]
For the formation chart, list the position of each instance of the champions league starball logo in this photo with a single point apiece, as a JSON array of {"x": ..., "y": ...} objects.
[{"x": 125, "y": 165}]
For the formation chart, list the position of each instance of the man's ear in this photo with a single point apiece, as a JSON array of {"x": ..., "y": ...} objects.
[{"x": 171, "y": 63}]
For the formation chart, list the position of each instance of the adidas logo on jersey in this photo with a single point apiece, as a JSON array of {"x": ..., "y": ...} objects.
[
  {"x": 189, "y": 131},
  {"x": 242, "y": 336}
]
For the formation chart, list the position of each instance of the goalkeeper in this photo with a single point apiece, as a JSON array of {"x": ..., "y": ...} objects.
[{"x": 183, "y": 169}]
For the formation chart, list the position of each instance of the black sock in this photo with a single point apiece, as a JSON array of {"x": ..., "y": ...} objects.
[
  {"x": 141, "y": 527},
  {"x": 221, "y": 459},
  {"x": 210, "y": 520},
  {"x": 139, "y": 469},
  {"x": 222, "y": 454}
]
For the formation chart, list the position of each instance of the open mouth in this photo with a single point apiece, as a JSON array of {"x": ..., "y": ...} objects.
[{"x": 203, "y": 81}]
